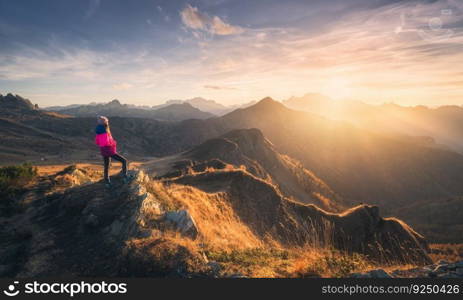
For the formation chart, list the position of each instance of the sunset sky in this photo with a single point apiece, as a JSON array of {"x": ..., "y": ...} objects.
[{"x": 146, "y": 52}]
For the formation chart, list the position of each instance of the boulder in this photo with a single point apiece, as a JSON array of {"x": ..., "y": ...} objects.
[
  {"x": 91, "y": 220},
  {"x": 441, "y": 268},
  {"x": 183, "y": 222},
  {"x": 215, "y": 268}
]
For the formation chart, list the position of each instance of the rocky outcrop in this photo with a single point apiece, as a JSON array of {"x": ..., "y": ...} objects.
[
  {"x": 378, "y": 273},
  {"x": 72, "y": 176},
  {"x": 441, "y": 269},
  {"x": 183, "y": 222},
  {"x": 85, "y": 229}
]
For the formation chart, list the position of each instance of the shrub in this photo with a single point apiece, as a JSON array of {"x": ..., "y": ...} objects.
[
  {"x": 248, "y": 257},
  {"x": 160, "y": 257},
  {"x": 343, "y": 265},
  {"x": 330, "y": 263},
  {"x": 12, "y": 182}
]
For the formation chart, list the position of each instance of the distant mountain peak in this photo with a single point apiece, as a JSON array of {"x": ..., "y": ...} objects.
[
  {"x": 115, "y": 102},
  {"x": 182, "y": 104},
  {"x": 199, "y": 99},
  {"x": 309, "y": 98},
  {"x": 16, "y": 102},
  {"x": 267, "y": 100},
  {"x": 203, "y": 101},
  {"x": 268, "y": 103}
]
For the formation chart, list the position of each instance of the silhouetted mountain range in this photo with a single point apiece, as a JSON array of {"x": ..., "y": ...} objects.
[
  {"x": 115, "y": 108},
  {"x": 171, "y": 112},
  {"x": 15, "y": 103},
  {"x": 206, "y": 105},
  {"x": 444, "y": 124},
  {"x": 357, "y": 164}
]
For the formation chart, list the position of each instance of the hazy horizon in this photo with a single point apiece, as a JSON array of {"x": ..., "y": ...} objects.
[
  {"x": 123, "y": 101},
  {"x": 147, "y": 52}
]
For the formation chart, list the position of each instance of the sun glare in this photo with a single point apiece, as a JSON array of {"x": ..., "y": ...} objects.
[{"x": 337, "y": 88}]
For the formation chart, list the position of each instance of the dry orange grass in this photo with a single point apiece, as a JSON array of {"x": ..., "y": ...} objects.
[
  {"x": 94, "y": 168},
  {"x": 161, "y": 255},
  {"x": 218, "y": 225},
  {"x": 328, "y": 263},
  {"x": 448, "y": 252},
  {"x": 225, "y": 239}
]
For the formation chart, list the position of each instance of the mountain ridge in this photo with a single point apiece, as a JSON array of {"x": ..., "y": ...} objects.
[
  {"x": 359, "y": 165},
  {"x": 114, "y": 108},
  {"x": 442, "y": 123}
]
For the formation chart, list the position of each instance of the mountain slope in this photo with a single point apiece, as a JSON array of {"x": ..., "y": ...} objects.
[
  {"x": 210, "y": 106},
  {"x": 69, "y": 224},
  {"x": 272, "y": 216},
  {"x": 359, "y": 165},
  {"x": 443, "y": 124},
  {"x": 171, "y": 112},
  {"x": 179, "y": 112},
  {"x": 249, "y": 149},
  {"x": 15, "y": 102}
]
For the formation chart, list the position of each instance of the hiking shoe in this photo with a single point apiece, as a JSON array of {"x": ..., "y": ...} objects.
[{"x": 126, "y": 179}]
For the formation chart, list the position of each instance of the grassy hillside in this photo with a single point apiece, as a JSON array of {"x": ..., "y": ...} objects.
[
  {"x": 436, "y": 219},
  {"x": 231, "y": 224}
]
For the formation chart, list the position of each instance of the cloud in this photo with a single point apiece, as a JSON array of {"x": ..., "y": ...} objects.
[
  {"x": 217, "y": 87},
  {"x": 193, "y": 18},
  {"x": 196, "y": 20},
  {"x": 222, "y": 28},
  {"x": 362, "y": 48},
  {"x": 122, "y": 86},
  {"x": 162, "y": 13},
  {"x": 36, "y": 64},
  {"x": 92, "y": 8}
]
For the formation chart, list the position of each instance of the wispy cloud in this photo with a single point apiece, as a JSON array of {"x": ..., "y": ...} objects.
[
  {"x": 37, "y": 64},
  {"x": 93, "y": 6},
  {"x": 164, "y": 15},
  {"x": 217, "y": 87},
  {"x": 197, "y": 20},
  {"x": 374, "y": 54}
]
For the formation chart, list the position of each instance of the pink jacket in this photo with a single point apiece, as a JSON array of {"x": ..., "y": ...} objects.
[{"x": 108, "y": 145}]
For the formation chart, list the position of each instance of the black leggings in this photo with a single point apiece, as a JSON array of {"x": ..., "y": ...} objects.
[{"x": 107, "y": 162}]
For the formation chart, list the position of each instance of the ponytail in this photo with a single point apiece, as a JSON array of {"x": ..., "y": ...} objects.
[{"x": 108, "y": 130}]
